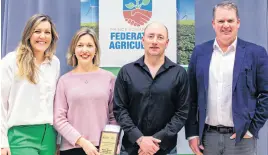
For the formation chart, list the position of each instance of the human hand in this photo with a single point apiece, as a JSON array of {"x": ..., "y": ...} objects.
[
  {"x": 5, "y": 151},
  {"x": 140, "y": 152},
  {"x": 194, "y": 145},
  {"x": 87, "y": 146},
  {"x": 246, "y": 136},
  {"x": 57, "y": 150},
  {"x": 149, "y": 145}
]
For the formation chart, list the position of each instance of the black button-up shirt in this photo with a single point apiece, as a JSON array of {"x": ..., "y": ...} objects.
[{"x": 149, "y": 106}]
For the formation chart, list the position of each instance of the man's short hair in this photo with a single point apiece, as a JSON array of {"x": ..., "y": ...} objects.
[
  {"x": 153, "y": 23},
  {"x": 227, "y": 5}
]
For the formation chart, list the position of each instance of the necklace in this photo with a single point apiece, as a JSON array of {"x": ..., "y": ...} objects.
[{"x": 92, "y": 70}]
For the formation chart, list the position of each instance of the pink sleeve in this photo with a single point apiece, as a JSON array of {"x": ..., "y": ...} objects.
[
  {"x": 111, "y": 113},
  {"x": 61, "y": 123}
]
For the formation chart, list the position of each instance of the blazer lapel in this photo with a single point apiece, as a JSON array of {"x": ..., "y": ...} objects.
[
  {"x": 206, "y": 63},
  {"x": 239, "y": 56}
]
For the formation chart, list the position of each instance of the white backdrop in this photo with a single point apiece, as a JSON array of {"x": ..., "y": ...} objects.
[{"x": 112, "y": 24}]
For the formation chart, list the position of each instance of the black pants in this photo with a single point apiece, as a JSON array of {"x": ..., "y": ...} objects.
[{"x": 76, "y": 151}]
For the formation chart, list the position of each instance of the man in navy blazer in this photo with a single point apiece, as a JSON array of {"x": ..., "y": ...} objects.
[{"x": 229, "y": 90}]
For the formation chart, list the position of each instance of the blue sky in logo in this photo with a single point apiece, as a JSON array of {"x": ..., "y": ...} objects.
[
  {"x": 90, "y": 9},
  {"x": 185, "y": 9},
  {"x": 147, "y": 7}
]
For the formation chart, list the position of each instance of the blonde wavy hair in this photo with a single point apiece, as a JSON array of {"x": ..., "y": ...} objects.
[
  {"x": 25, "y": 56},
  {"x": 71, "y": 58}
]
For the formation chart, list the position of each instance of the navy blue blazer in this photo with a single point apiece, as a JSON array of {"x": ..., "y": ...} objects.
[{"x": 250, "y": 88}]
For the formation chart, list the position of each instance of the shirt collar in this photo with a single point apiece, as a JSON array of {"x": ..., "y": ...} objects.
[
  {"x": 168, "y": 63},
  {"x": 232, "y": 46}
]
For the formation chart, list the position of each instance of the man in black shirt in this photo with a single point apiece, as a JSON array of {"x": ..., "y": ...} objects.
[{"x": 151, "y": 97}]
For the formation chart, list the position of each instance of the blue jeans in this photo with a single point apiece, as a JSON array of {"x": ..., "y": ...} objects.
[{"x": 220, "y": 144}]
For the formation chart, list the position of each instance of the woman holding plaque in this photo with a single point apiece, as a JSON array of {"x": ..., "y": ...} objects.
[
  {"x": 28, "y": 84},
  {"x": 83, "y": 101}
]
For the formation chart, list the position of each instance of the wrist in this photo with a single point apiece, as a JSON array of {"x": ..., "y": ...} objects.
[
  {"x": 249, "y": 134},
  {"x": 139, "y": 140},
  {"x": 80, "y": 141}
]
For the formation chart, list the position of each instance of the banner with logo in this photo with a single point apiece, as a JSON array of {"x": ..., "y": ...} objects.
[{"x": 121, "y": 26}]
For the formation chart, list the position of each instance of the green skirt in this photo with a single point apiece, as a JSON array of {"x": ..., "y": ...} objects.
[{"x": 32, "y": 140}]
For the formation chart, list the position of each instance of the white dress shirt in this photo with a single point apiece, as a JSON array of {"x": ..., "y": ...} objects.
[
  {"x": 24, "y": 103},
  {"x": 219, "y": 104}
]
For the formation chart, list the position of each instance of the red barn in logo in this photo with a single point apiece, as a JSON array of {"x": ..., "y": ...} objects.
[{"x": 137, "y": 12}]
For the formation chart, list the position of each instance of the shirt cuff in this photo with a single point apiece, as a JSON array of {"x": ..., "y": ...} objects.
[
  {"x": 4, "y": 142},
  {"x": 192, "y": 137},
  {"x": 249, "y": 134},
  {"x": 58, "y": 139},
  {"x": 134, "y": 135}
]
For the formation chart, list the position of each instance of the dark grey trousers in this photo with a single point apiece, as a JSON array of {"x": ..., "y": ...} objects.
[{"x": 221, "y": 144}]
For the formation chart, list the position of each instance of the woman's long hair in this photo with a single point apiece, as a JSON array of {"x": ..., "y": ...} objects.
[{"x": 25, "y": 56}]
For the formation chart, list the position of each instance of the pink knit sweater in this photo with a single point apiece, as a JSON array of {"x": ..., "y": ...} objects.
[{"x": 83, "y": 106}]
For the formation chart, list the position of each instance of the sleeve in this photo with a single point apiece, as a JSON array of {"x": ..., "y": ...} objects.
[
  {"x": 110, "y": 104},
  {"x": 181, "y": 113},
  {"x": 57, "y": 78},
  {"x": 61, "y": 123},
  {"x": 58, "y": 70},
  {"x": 261, "y": 111},
  {"x": 120, "y": 108},
  {"x": 192, "y": 125},
  {"x": 7, "y": 75}
]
